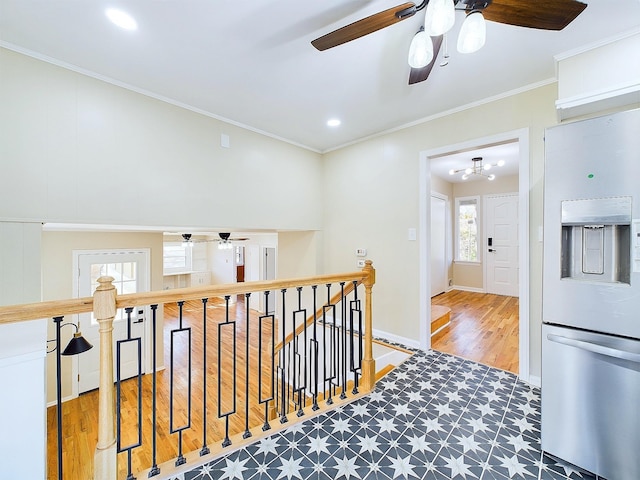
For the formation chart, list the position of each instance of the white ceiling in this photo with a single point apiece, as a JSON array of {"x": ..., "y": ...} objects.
[
  {"x": 252, "y": 62},
  {"x": 509, "y": 152}
]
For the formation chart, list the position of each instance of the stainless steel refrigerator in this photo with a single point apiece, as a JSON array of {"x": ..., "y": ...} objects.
[{"x": 591, "y": 295}]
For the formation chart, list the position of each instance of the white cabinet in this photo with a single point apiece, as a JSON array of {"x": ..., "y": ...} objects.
[{"x": 186, "y": 279}]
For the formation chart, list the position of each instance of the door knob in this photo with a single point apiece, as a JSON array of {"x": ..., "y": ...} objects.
[{"x": 492, "y": 250}]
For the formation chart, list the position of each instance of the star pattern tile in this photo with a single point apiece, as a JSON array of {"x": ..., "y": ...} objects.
[{"x": 435, "y": 417}]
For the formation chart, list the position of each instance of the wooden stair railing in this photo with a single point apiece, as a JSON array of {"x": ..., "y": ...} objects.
[{"x": 105, "y": 302}]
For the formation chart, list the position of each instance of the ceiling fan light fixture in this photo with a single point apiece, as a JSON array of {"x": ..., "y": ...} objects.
[
  {"x": 420, "y": 50},
  {"x": 440, "y": 17},
  {"x": 473, "y": 33}
]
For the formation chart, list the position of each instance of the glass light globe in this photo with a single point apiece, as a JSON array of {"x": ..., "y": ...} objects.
[
  {"x": 439, "y": 17},
  {"x": 420, "y": 50},
  {"x": 473, "y": 33}
]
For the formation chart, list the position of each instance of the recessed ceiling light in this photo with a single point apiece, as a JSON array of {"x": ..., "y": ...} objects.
[
  {"x": 121, "y": 19},
  {"x": 334, "y": 122}
]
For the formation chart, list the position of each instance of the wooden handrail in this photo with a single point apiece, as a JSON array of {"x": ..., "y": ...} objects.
[
  {"x": 49, "y": 309},
  {"x": 33, "y": 311}
]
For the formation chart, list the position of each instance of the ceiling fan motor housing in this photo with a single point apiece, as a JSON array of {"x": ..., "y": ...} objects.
[{"x": 471, "y": 5}]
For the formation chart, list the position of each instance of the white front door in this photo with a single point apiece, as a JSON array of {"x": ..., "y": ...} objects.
[
  {"x": 130, "y": 270},
  {"x": 439, "y": 270},
  {"x": 501, "y": 244}
]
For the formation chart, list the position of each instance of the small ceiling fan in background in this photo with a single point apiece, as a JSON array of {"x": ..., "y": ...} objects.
[
  {"x": 223, "y": 243},
  {"x": 440, "y": 18}
]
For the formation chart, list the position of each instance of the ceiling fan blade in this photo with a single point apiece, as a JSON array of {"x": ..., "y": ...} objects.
[
  {"x": 541, "y": 14},
  {"x": 418, "y": 75},
  {"x": 365, "y": 26}
]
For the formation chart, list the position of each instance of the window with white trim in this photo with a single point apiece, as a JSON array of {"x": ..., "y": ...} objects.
[
  {"x": 176, "y": 257},
  {"x": 467, "y": 220}
]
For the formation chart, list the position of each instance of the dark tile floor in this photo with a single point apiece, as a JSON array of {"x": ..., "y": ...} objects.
[{"x": 436, "y": 417}]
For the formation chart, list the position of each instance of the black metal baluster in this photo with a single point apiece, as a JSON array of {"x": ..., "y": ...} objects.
[
  {"x": 155, "y": 470},
  {"x": 314, "y": 350},
  {"x": 119, "y": 344},
  {"x": 331, "y": 361},
  {"x": 283, "y": 363},
  {"x": 356, "y": 310},
  {"x": 262, "y": 400},
  {"x": 181, "y": 459},
  {"x": 299, "y": 367},
  {"x": 229, "y": 325},
  {"x": 205, "y": 449},
  {"x": 247, "y": 432},
  {"x": 343, "y": 343}
]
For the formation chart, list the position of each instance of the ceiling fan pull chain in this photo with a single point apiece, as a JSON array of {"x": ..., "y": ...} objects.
[{"x": 445, "y": 52}]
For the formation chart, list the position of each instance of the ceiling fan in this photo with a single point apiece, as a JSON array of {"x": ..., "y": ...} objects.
[
  {"x": 439, "y": 18},
  {"x": 224, "y": 241}
]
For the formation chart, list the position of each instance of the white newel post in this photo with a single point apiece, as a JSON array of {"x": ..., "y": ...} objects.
[{"x": 104, "y": 309}]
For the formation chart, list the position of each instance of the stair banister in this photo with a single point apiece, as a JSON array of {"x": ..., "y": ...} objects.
[
  {"x": 105, "y": 459},
  {"x": 368, "y": 362}
]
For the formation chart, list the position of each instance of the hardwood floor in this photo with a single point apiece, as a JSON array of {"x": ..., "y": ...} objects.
[
  {"x": 484, "y": 328},
  {"x": 80, "y": 414}
]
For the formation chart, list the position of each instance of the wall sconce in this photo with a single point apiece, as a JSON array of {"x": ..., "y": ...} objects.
[{"x": 78, "y": 344}]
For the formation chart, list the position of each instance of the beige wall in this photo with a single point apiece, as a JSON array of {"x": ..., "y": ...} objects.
[
  {"x": 372, "y": 198},
  {"x": 78, "y": 150},
  {"x": 57, "y": 280}
]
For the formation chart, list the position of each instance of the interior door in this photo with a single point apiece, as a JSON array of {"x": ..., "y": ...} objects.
[
  {"x": 501, "y": 244},
  {"x": 439, "y": 270},
  {"x": 130, "y": 271}
]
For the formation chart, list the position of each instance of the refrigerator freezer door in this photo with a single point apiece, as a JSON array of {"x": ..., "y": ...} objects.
[
  {"x": 591, "y": 270},
  {"x": 590, "y": 398}
]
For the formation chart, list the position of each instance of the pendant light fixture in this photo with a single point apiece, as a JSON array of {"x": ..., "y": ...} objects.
[
  {"x": 473, "y": 33},
  {"x": 439, "y": 18},
  {"x": 478, "y": 169},
  {"x": 420, "y": 50}
]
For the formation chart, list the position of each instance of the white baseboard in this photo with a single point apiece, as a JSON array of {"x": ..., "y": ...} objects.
[
  {"x": 533, "y": 380},
  {"x": 468, "y": 289},
  {"x": 396, "y": 338}
]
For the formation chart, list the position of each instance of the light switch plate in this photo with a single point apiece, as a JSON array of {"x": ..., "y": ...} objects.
[
  {"x": 360, "y": 263},
  {"x": 361, "y": 252},
  {"x": 411, "y": 234}
]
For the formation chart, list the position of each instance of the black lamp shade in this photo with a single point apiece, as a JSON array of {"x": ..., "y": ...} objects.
[{"x": 77, "y": 344}]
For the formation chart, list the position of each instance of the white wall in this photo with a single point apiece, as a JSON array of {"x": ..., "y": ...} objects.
[
  {"x": 78, "y": 150},
  {"x": 22, "y": 357}
]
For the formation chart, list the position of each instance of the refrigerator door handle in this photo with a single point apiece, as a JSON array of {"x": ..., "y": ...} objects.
[{"x": 596, "y": 348}]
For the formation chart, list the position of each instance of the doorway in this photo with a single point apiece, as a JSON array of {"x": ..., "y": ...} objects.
[
  {"x": 439, "y": 263},
  {"x": 130, "y": 271},
  {"x": 521, "y": 138}
]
